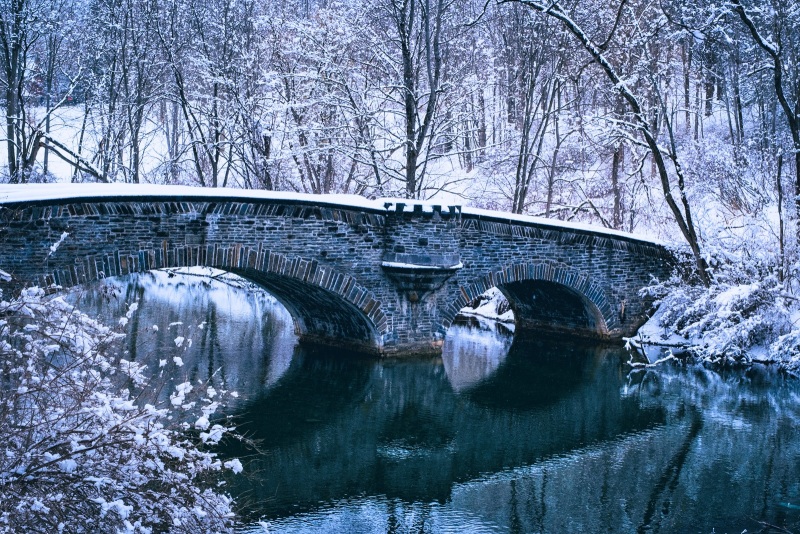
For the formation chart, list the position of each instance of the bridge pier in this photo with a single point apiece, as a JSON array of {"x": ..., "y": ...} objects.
[
  {"x": 421, "y": 258},
  {"x": 383, "y": 277}
]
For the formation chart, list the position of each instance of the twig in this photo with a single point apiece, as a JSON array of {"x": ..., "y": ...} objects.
[{"x": 774, "y": 527}]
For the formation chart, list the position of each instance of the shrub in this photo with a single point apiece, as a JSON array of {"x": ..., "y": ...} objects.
[{"x": 87, "y": 446}]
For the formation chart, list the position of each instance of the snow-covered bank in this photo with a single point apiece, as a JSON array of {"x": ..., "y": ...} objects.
[
  {"x": 729, "y": 323},
  {"x": 725, "y": 324},
  {"x": 491, "y": 305}
]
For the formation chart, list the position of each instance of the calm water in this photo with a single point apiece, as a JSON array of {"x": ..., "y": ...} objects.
[{"x": 497, "y": 435}]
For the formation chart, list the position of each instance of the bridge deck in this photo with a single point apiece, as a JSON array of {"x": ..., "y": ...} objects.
[{"x": 47, "y": 193}]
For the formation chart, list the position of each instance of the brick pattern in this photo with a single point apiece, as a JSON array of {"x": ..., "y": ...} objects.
[
  {"x": 608, "y": 270},
  {"x": 324, "y": 261}
]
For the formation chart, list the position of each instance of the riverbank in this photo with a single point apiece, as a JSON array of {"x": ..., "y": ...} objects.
[{"x": 726, "y": 324}]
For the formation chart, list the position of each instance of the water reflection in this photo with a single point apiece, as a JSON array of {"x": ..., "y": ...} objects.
[
  {"x": 556, "y": 439},
  {"x": 399, "y": 429},
  {"x": 740, "y": 459},
  {"x": 471, "y": 354},
  {"x": 233, "y": 338},
  {"x": 498, "y": 435},
  {"x": 537, "y": 372}
]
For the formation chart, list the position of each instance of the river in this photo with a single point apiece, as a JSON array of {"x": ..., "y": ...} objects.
[{"x": 499, "y": 434}]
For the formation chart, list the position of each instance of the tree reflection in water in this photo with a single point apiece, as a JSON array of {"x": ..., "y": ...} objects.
[
  {"x": 532, "y": 435},
  {"x": 552, "y": 438},
  {"x": 233, "y": 338}
]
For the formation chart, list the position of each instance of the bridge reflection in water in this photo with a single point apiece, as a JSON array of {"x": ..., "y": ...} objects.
[
  {"x": 334, "y": 428},
  {"x": 230, "y": 337},
  {"x": 556, "y": 438},
  {"x": 496, "y": 435}
]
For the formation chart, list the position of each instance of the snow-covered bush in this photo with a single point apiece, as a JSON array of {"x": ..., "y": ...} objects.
[
  {"x": 739, "y": 317},
  {"x": 86, "y": 446}
]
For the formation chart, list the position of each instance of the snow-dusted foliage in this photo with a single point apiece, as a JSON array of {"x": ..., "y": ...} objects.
[
  {"x": 747, "y": 314},
  {"x": 87, "y": 446},
  {"x": 725, "y": 321}
]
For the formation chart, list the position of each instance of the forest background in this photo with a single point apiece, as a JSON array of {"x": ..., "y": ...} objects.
[{"x": 678, "y": 120}]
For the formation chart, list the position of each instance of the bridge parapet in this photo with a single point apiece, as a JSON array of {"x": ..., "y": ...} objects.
[{"x": 422, "y": 246}]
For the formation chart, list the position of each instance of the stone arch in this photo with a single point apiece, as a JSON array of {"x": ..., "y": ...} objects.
[
  {"x": 327, "y": 305},
  {"x": 577, "y": 295}
]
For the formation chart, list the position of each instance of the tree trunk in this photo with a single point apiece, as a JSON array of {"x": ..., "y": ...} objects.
[
  {"x": 687, "y": 70},
  {"x": 616, "y": 163},
  {"x": 781, "y": 238},
  {"x": 405, "y": 27},
  {"x": 481, "y": 123}
]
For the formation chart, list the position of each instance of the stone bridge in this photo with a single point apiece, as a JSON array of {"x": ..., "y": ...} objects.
[{"x": 379, "y": 276}]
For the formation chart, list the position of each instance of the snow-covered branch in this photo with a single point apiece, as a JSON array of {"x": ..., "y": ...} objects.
[{"x": 85, "y": 449}]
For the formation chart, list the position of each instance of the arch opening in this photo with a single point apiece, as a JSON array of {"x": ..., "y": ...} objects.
[
  {"x": 550, "y": 298},
  {"x": 321, "y": 315},
  {"x": 327, "y": 307},
  {"x": 224, "y": 332},
  {"x": 544, "y": 312},
  {"x": 553, "y": 308}
]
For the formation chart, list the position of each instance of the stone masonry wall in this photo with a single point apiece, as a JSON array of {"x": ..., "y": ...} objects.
[{"x": 331, "y": 265}]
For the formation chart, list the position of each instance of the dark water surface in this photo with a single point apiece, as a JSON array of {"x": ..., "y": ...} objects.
[{"x": 497, "y": 435}]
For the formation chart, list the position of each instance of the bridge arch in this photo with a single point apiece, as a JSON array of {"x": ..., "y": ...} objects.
[
  {"x": 326, "y": 305},
  {"x": 550, "y": 297}
]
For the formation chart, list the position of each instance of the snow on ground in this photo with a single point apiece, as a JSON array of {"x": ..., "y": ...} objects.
[
  {"x": 654, "y": 341},
  {"x": 490, "y": 303}
]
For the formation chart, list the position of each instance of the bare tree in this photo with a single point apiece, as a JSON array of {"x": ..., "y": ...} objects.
[
  {"x": 22, "y": 25},
  {"x": 418, "y": 40},
  {"x": 641, "y": 123},
  {"x": 775, "y": 32}
]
